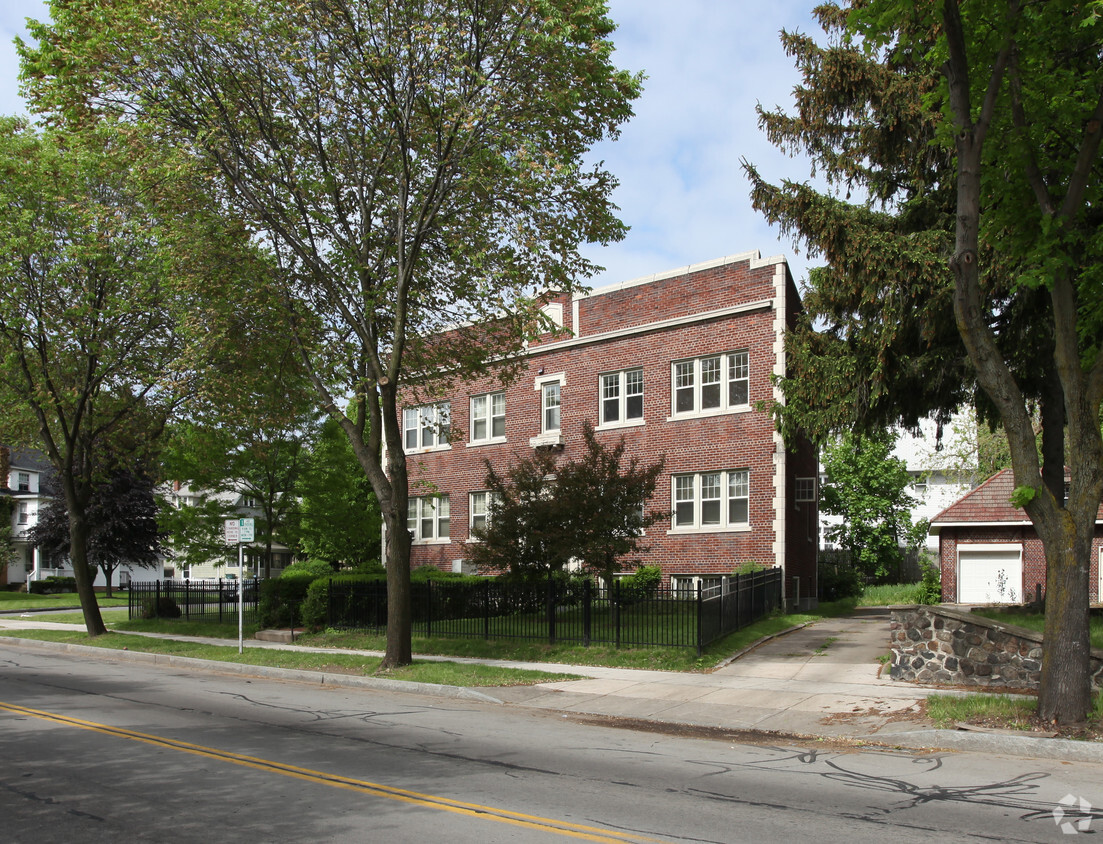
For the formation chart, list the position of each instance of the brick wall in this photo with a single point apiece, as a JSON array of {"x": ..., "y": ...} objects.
[{"x": 649, "y": 325}]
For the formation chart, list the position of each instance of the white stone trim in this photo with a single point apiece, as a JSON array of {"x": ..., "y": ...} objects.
[{"x": 780, "y": 510}]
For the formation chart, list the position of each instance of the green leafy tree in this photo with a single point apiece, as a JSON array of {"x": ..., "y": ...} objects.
[
  {"x": 88, "y": 338},
  {"x": 412, "y": 167},
  {"x": 338, "y": 517},
  {"x": 592, "y": 510},
  {"x": 972, "y": 133},
  {"x": 868, "y": 488},
  {"x": 7, "y": 539},
  {"x": 124, "y": 529}
]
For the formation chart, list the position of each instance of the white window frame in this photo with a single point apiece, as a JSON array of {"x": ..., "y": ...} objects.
[
  {"x": 725, "y": 492},
  {"x": 804, "y": 489},
  {"x": 685, "y": 585},
  {"x": 551, "y": 413},
  {"x": 431, "y": 510},
  {"x": 430, "y": 425},
  {"x": 480, "y": 505},
  {"x": 488, "y": 414},
  {"x": 22, "y": 481},
  {"x": 24, "y": 515},
  {"x": 613, "y": 391},
  {"x": 711, "y": 379}
]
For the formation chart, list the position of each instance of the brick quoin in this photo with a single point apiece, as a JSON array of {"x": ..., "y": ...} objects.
[{"x": 739, "y": 303}]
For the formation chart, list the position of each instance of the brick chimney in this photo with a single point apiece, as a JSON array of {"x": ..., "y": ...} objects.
[{"x": 5, "y": 466}]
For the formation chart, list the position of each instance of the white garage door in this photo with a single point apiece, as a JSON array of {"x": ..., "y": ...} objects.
[{"x": 989, "y": 574}]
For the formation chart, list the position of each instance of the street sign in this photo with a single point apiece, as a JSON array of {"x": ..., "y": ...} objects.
[
  {"x": 245, "y": 528},
  {"x": 232, "y": 531}
]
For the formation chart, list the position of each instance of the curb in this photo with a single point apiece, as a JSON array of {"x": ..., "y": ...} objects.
[
  {"x": 262, "y": 671},
  {"x": 1035, "y": 747}
]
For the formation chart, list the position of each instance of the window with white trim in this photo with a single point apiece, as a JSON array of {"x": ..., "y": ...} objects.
[
  {"x": 24, "y": 513},
  {"x": 428, "y": 518},
  {"x": 426, "y": 427},
  {"x": 711, "y": 500},
  {"x": 685, "y": 585},
  {"x": 550, "y": 399},
  {"x": 621, "y": 397},
  {"x": 23, "y": 482},
  {"x": 712, "y": 384},
  {"x": 805, "y": 489},
  {"x": 488, "y": 418},
  {"x": 482, "y": 503}
]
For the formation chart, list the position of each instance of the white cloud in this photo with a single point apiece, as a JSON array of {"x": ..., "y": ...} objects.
[{"x": 682, "y": 190}]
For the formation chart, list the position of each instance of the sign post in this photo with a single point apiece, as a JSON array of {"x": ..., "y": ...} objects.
[{"x": 239, "y": 531}]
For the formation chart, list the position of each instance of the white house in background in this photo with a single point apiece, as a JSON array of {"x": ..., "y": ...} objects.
[
  {"x": 941, "y": 472},
  {"x": 234, "y": 504},
  {"x": 27, "y": 477}
]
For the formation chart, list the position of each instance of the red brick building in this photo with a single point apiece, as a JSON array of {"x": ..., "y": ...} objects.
[
  {"x": 991, "y": 554},
  {"x": 675, "y": 363}
]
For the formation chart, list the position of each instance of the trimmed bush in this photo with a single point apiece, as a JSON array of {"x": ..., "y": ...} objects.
[
  {"x": 281, "y": 598},
  {"x": 53, "y": 585},
  {"x": 163, "y": 607}
]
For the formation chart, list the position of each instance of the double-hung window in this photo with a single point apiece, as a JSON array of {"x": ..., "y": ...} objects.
[
  {"x": 488, "y": 418},
  {"x": 426, "y": 427},
  {"x": 482, "y": 503},
  {"x": 550, "y": 397},
  {"x": 622, "y": 397},
  {"x": 711, "y": 500},
  {"x": 428, "y": 518},
  {"x": 24, "y": 481},
  {"x": 712, "y": 384},
  {"x": 24, "y": 513}
]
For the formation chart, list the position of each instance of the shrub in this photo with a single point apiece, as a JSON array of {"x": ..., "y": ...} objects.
[
  {"x": 53, "y": 585},
  {"x": 315, "y": 605},
  {"x": 930, "y": 588},
  {"x": 749, "y": 567},
  {"x": 281, "y": 598},
  {"x": 163, "y": 607},
  {"x": 839, "y": 582}
]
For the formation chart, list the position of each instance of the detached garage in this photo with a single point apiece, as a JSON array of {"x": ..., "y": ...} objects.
[{"x": 989, "y": 552}]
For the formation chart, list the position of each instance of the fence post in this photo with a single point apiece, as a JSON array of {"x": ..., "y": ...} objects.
[
  {"x": 587, "y": 597},
  {"x": 550, "y": 602},
  {"x": 329, "y": 603},
  {"x": 187, "y": 600},
  {"x": 699, "y": 608},
  {"x": 157, "y": 601},
  {"x": 429, "y": 611},
  {"x": 616, "y": 609},
  {"x": 486, "y": 608}
]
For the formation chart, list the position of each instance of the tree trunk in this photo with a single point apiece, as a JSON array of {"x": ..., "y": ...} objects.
[
  {"x": 107, "y": 572},
  {"x": 1065, "y": 693},
  {"x": 78, "y": 556},
  {"x": 399, "y": 649}
]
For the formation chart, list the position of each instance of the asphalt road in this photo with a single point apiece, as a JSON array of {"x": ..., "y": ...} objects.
[{"x": 96, "y": 751}]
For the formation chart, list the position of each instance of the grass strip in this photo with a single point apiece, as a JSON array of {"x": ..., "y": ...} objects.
[
  {"x": 13, "y": 601},
  {"x": 443, "y": 673}
]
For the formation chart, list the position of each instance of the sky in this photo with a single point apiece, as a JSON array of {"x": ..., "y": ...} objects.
[{"x": 682, "y": 191}]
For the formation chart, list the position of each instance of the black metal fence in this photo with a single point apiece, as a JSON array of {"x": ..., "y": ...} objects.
[
  {"x": 566, "y": 612},
  {"x": 194, "y": 600}
]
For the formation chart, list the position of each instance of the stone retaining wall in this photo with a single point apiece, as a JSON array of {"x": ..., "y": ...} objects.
[{"x": 943, "y": 645}]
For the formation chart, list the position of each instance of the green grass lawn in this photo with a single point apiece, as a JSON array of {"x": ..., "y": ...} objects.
[
  {"x": 444, "y": 673},
  {"x": 13, "y": 601}
]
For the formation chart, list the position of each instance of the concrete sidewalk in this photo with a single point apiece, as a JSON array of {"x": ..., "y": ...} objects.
[{"x": 820, "y": 680}]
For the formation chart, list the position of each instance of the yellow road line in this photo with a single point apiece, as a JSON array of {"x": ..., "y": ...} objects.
[{"x": 444, "y": 804}]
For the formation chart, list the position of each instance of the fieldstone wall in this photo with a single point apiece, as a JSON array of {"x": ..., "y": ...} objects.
[{"x": 943, "y": 645}]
